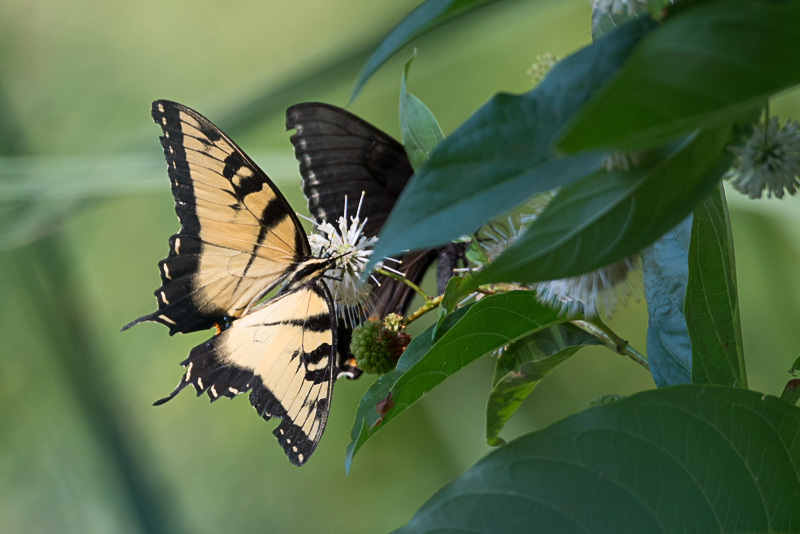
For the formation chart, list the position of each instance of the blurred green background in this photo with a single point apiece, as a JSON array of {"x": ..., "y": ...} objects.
[{"x": 85, "y": 212}]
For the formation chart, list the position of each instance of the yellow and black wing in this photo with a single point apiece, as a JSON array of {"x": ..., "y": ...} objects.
[
  {"x": 282, "y": 353},
  {"x": 239, "y": 236}
]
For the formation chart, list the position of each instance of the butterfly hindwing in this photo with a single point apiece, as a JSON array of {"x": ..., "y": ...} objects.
[
  {"x": 239, "y": 237},
  {"x": 342, "y": 155},
  {"x": 283, "y": 354}
]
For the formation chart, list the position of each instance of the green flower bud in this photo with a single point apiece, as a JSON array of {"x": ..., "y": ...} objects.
[{"x": 377, "y": 348}]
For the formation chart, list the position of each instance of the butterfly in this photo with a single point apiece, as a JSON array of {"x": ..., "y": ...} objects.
[
  {"x": 342, "y": 155},
  {"x": 239, "y": 239}
]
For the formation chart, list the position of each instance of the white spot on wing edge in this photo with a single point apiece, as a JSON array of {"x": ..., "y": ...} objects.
[
  {"x": 300, "y": 457},
  {"x": 234, "y": 391},
  {"x": 161, "y": 108},
  {"x": 189, "y": 371},
  {"x": 166, "y": 319},
  {"x": 164, "y": 298},
  {"x": 166, "y": 272},
  {"x": 200, "y": 382},
  {"x": 213, "y": 391},
  {"x": 177, "y": 245}
]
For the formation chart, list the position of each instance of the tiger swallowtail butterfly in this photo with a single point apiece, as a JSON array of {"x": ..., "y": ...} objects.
[
  {"x": 342, "y": 155},
  {"x": 239, "y": 239}
]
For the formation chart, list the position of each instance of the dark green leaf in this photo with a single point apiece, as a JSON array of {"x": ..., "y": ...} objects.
[
  {"x": 366, "y": 415},
  {"x": 489, "y": 324},
  {"x": 696, "y": 70},
  {"x": 666, "y": 270},
  {"x": 418, "y": 127},
  {"x": 712, "y": 307},
  {"x": 522, "y": 365},
  {"x": 502, "y": 154},
  {"x": 611, "y": 215},
  {"x": 673, "y": 460},
  {"x": 450, "y": 298},
  {"x": 424, "y": 18}
]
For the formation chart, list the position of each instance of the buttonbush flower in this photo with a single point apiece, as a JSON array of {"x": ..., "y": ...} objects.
[
  {"x": 351, "y": 248},
  {"x": 769, "y": 159}
]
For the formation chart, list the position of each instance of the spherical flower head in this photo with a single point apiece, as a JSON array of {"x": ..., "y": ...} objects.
[
  {"x": 376, "y": 348},
  {"x": 618, "y": 7},
  {"x": 541, "y": 67},
  {"x": 351, "y": 249},
  {"x": 582, "y": 295},
  {"x": 769, "y": 159}
]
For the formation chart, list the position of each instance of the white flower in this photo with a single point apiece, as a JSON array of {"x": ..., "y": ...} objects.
[
  {"x": 769, "y": 159},
  {"x": 582, "y": 294},
  {"x": 352, "y": 249},
  {"x": 621, "y": 160},
  {"x": 541, "y": 67},
  {"x": 618, "y": 7}
]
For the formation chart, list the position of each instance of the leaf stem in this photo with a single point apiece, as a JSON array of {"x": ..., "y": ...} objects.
[
  {"x": 601, "y": 331},
  {"x": 402, "y": 279}
]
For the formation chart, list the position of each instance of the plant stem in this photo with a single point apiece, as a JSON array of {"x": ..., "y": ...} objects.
[
  {"x": 430, "y": 303},
  {"x": 402, "y": 279},
  {"x": 601, "y": 331}
]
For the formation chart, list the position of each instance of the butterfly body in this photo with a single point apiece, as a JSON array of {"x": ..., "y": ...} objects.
[{"x": 239, "y": 240}]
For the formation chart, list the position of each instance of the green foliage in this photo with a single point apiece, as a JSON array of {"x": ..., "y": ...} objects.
[
  {"x": 678, "y": 88},
  {"x": 698, "y": 68},
  {"x": 418, "y": 127},
  {"x": 666, "y": 271},
  {"x": 502, "y": 155},
  {"x": 522, "y": 365},
  {"x": 425, "y": 17},
  {"x": 610, "y": 215},
  {"x": 712, "y": 308},
  {"x": 488, "y": 325},
  {"x": 705, "y": 459}
]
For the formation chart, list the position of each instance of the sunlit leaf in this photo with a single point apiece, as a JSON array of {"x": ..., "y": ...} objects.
[
  {"x": 418, "y": 127},
  {"x": 674, "y": 460},
  {"x": 522, "y": 365},
  {"x": 611, "y": 215},
  {"x": 696, "y": 70},
  {"x": 665, "y": 271},
  {"x": 502, "y": 155},
  {"x": 712, "y": 307}
]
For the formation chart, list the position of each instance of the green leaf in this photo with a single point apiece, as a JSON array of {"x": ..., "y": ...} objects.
[
  {"x": 665, "y": 271},
  {"x": 450, "y": 298},
  {"x": 424, "y": 18},
  {"x": 712, "y": 307},
  {"x": 522, "y": 365},
  {"x": 673, "y": 460},
  {"x": 611, "y": 215},
  {"x": 366, "y": 415},
  {"x": 696, "y": 70},
  {"x": 502, "y": 154},
  {"x": 489, "y": 324},
  {"x": 418, "y": 127}
]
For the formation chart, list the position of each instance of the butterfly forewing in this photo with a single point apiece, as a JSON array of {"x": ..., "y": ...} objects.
[
  {"x": 282, "y": 353},
  {"x": 239, "y": 237},
  {"x": 341, "y": 154}
]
